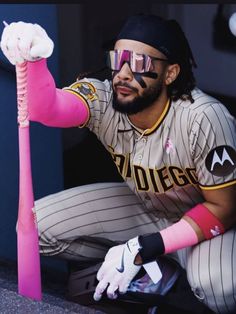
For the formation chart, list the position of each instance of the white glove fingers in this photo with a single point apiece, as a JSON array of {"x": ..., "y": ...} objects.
[
  {"x": 113, "y": 295},
  {"x": 25, "y": 42},
  {"x": 42, "y": 44},
  {"x": 112, "y": 290},
  {"x": 102, "y": 271},
  {"x": 117, "y": 270},
  {"x": 100, "y": 274},
  {"x": 23, "y": 34},
  {"x": 40, "y": 31},
  {"x": 97, "y": 296},
  {"x": 123, "y": 287},
  {"x": 7, "y": 34},
  {"x": 12, "y": 49},
  {"x": 5, "y": 52},
  {"x": 24, "y": 45},
  {"x": 10, "y": 42},
  {"x": 101, "y": 287},
  {"x": 41, "y": 48}
]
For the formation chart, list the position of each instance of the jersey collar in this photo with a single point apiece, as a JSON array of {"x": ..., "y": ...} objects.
[{"x": 157, "y": 123}]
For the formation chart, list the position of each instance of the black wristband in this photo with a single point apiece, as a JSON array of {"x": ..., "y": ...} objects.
[{"x": 152, "y": 246}]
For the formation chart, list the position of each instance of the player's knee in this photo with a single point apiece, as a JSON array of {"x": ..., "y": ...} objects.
[
  {"x": 216, "y": 294},
  {"x": 46, "y": 240},
  {"x": 48, "y": 244}
]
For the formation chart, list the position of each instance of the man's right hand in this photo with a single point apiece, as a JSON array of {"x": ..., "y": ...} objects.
[{"x": 22, "y": 42}]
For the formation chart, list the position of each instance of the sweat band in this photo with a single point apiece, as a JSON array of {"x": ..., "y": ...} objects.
[
  {"x": 170, "y": 239},
  {"x": 49, "y": 105},
  {"x": 206, "y": 220}
]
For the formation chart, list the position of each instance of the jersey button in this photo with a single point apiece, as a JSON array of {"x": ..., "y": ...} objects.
[{"x": 140, "y": 157}]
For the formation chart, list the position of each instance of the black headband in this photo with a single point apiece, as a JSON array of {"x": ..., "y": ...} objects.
[{"x": 164, "y": 35}]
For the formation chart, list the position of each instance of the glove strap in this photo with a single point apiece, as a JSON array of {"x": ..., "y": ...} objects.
[{"x": 151, "y": 268}]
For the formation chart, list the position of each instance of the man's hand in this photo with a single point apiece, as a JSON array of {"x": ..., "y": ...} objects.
[
  {"x": 22, "y": 42},
  {"x": 117, "y": 270}
]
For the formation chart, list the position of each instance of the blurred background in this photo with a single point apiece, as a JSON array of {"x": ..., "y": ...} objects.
[{"x": 82, "y": 32}]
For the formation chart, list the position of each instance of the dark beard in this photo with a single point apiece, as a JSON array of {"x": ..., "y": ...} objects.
[{"x": 140, "y": 102}]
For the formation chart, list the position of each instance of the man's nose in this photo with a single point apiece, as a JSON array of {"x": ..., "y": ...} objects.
[{"x": 125, "y": 72}]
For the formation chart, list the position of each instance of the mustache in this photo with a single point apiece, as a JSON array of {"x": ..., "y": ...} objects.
[{"x": 124, "y": 84}]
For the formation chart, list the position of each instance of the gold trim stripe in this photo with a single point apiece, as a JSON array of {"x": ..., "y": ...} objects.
[
  {"x": 158, "y": 122},
  {"x": 219, "y": 186},
  {"x": 161, "y": 118}
]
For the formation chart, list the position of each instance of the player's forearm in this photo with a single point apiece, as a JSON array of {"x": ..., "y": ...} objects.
[
  {"x": 49, "y": 105},
  {"x": 173, "y": 238},
  {"x": 213, "y": 220},
  {"x": 197, "y": 225}
]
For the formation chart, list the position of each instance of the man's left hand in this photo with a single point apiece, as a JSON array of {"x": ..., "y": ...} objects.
[{"x": 117, "y": 270}]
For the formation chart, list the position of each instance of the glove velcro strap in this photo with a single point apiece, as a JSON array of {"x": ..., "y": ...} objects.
[{"x": 152, "y": 246}]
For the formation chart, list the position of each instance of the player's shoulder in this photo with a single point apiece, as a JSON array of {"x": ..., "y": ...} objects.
[
  {"x": 92, "y": 84},
  {"x": 203, "y": 99},
  {"x": 92, "y": 90},
  {"x": 203, "y": 103}
]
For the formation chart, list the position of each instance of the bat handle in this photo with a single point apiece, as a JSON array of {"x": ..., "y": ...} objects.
[{"x": 21, "y": 79}]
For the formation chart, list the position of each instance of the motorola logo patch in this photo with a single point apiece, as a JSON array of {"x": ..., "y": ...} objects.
[{"x": 221, "y": 161}]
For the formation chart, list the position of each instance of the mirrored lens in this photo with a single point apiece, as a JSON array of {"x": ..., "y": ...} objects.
[{"x": 138, "y": 63}]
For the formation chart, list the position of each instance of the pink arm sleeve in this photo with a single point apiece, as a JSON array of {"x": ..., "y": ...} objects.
[
  {"x": 49, "y": 105},
  {"x": 178, "y": 236}
]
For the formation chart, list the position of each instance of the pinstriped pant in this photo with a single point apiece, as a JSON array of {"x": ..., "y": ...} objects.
[{"x": 82, "y": 223}]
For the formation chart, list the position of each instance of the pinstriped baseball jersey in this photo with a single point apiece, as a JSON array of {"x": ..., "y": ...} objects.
[{"x": 191, "y": 147}]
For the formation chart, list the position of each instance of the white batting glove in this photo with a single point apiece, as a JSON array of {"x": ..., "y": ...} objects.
[
  {"x": 117, "y": 270},
  {"x": 22, "y": 42}
]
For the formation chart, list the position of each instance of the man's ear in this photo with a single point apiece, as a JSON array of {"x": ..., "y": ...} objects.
[{"x": 171, "y": 73}]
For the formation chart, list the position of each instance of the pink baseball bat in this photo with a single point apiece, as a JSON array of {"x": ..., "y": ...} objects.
[{"x": 28, "y": 258}]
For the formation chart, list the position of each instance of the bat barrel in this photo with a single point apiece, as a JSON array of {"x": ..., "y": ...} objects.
[{"x": 28, "y": 258}]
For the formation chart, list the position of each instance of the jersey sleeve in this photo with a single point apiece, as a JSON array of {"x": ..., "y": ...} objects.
[
  {"x": 213, "y": 147},
  {"x": 97, "y": 95}
]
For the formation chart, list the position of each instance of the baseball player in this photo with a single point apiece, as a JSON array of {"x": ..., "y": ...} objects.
[{"x": 174, "y": 146}]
